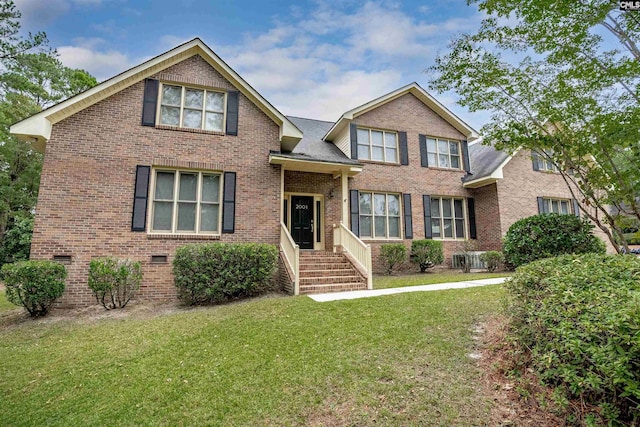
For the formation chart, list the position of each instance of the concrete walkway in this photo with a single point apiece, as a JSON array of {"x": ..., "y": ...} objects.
[{"x": 335, "y": 296}]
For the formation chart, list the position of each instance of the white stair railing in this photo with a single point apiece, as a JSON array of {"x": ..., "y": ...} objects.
[
  {"x": 291, "y": 253},
  {"x": 355, "y": 247}
]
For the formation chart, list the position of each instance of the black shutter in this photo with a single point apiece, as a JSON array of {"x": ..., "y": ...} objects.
[
  {"x": 229, "y": 203},
  {"x": 541, "y": 205},
  {"x": 576, "y": 208},
  {"x": 465, "y": 156},
  {"x": 140, "y": 196},
  {"x": 149, "y": 103},
  {"x": 353, "y": 132},
  {"x": 232, "y": 113},
  {"x": 471, "y": 207},
  {"x": 354, "y": 206},
  {"x": 408, "y": 220},
  {"x": 285, "y": 212},
  {"x": 536, "y": 161},
  {"x": 424, "y": 159},
  {"x": 404, "y": 153},
  {"x": 426, "y": 205}
]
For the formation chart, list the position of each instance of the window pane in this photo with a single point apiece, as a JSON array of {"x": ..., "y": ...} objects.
[
  {"x": 365, "y": 226},
  {"x": 171, "y": 95},
  {"x": 446, "y": 208},
  {"x": 443, "y": 161},
  {"x": 391, "y": 155},
  {"x": 432, "y": 159},
  {"x": 390, "y": 140},
  {"x": 377, "y": 153},
  {"x": 170, "y": 116},
  {"x": 448, "y": 227},
  {"x": 435, "y": 228},
  {"x": 554, "y": 206},
  {"x": 455, "y": 162},
  {"x": 363, "y": 136},
  {"x": 162, "y": 212},
  {"x": 549, "y": 165},
  {"x": 443, "y": 147},
  {"x": 460, "y": 228},
  {"x": 379, "y": 204},
  {"x": 215, "y": 101},
  {"x": 209, "y": 217},
  {"x": 192, "y": 119},
  {"x": 457, "y": 208},
  {"x": 363, "y": 152},
  {"x": 545, "y": 206},
  {"x": 394, "y": 204},
  {"x": 193, "y": 98},
  {"x": 365, "y": 203},
  {"x": 431, "y": 146},
  {"x": 188, "y": 184},
  {"x": 453, "y": 148},
  {"x": 394, "y": 227},
  {"x": 210, "y": 188},
  {"x": 381, "y": 226},
  {"x": 186, "y": 216},
  {"x": 213, "y": 122},
  {"x": 435, "y": 208},
  {"x": 376, "y": 138},
  {"x": 564, "y": 207},
  {"x": 164, "y": 186}
]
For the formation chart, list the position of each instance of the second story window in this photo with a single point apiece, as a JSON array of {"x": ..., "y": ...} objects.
[
  {"x": 377, "y": 145},
  {"x": 444, "y": 153},
  {"x": 192, "y": 108}
]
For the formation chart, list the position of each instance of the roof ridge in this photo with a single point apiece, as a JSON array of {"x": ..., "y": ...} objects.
[{"x": 306, "y": 118}]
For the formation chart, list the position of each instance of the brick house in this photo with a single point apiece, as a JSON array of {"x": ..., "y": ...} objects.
[{"x": 180, "y": 149}]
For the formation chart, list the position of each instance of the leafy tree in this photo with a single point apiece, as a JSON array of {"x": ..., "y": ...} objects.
[{"x": 561, "y": 79}]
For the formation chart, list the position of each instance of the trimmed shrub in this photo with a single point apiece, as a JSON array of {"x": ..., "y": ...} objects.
[
  {"x": 576, "y": 320},
  {"x": 492, "y": 260},
  {"x": 216, "y": 272},
  {"x": 392, "y": 254},
  {"x": 548, "y": 235},
  {"x": 426, "y": 253},
  {"x": 114, "y": 281},
  {"x": 35, "y": 285}
]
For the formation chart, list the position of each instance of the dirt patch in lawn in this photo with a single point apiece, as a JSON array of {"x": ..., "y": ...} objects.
[{"x": 516, "y": 402}]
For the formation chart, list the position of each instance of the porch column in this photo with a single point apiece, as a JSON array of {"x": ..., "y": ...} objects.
[{"x": 345, "y": 197}]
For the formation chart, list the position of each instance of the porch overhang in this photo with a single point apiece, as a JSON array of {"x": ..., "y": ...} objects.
[{"x": 316, "y": 166}]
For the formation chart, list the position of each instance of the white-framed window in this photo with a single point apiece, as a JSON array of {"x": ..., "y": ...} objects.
[
  {"x": 377, "y": 145},
  {"x": 379, "y": 215},
  {"x": 447, "y": 218},
  {"x": 192, "y": 108},
  {"x": 561, "y": 206},
  {"x": 543, "y": 161},
  {"x": 443, "y": 153},
  {"x": 186, "y": 202}
]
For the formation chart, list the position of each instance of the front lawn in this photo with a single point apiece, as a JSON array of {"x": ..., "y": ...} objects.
[
  {"x": 383, "y": 282},
  {"x": 4, "y": 304},
  {"x": 396, "y": 360}
]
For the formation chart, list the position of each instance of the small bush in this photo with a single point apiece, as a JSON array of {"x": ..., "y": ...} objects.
[
  {"x": 392, "y": 254},
  {"x": 35, "y": 285},
  {"x": 634, "y": 239},
  {"x": 114, "y": 281},
  {"x": 216, "y": 272},
  {"x": 492, "y": 260},
  {"x": 426, "y": 253},
  {"x": 548, "y": 235},
  {"x": 576, "y": 320}
]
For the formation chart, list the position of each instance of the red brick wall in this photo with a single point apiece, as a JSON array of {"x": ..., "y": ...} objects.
[
  {"x": 488, "y": 221},
  {"x": 86, "y": 194}
]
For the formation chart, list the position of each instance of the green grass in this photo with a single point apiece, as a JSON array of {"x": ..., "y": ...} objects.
[
  {"x": 383, "y": 282},
  {"x": 4, "y": 304},
  {"x": 397, "y": 360}
]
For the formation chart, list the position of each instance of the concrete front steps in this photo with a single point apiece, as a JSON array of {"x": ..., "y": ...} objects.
[{"x": 322, "y": 272}]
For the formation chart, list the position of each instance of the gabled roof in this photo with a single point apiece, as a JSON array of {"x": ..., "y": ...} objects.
[
  {"x": 37, "y": 128},
  {"x": 313, "y": 148},
  {"x": 417, "y": 91},
  {"x": 486, "y": 165}
]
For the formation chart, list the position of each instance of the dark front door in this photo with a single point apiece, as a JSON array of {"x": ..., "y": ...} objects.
[{"x": 302, "y": 221}]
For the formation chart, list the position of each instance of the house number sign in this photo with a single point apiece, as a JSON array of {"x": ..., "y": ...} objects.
[{"x": 301, "y": 207}]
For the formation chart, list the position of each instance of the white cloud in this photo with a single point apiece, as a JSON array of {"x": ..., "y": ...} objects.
[{"x": 87, "y": 55}]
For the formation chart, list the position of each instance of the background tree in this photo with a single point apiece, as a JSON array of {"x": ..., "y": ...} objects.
[{"x": 561, "y": 79}]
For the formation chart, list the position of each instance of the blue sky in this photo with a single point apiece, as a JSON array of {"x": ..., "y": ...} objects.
[{"x": 312, "y": 59}]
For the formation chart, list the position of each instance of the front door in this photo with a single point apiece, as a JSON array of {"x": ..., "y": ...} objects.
[{"x": 302, "y": 221}]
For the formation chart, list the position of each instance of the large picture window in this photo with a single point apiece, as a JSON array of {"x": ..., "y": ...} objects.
[
  {"x": 186, "y": 202},
  {"x": 443, "y": 153},
  {"x": 447, "y": 218},
  {"x": 377, "y": 145},
  {"x": 379, "y": 215},
  {"x": 192, "y": 108}
]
